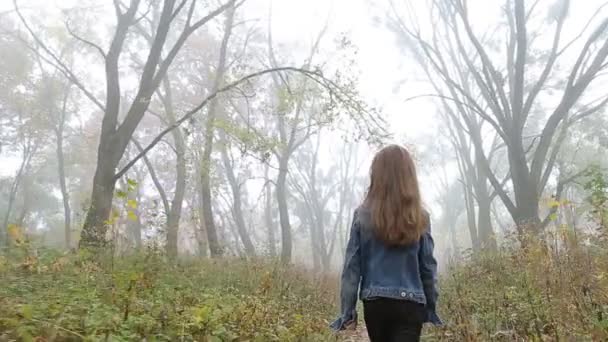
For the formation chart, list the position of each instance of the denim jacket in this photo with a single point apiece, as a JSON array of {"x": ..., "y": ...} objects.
[{"x": 378, "y": 270}]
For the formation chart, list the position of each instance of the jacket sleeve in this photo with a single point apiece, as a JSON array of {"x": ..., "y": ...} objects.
[
  {"x": 428, "y": 273},
  {"x": 351, "y": 276}
]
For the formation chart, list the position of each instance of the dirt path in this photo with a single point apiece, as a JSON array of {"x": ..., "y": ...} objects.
[{"x": 359, "y": 335}]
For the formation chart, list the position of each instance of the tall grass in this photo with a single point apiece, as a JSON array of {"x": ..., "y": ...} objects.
[{"x": 555, "y": 289}]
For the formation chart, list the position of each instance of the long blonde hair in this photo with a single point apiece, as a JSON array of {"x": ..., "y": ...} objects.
[{"x": 394, "y": 197}]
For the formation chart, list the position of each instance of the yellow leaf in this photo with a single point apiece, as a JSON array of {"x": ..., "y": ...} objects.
[
  {"x": 132, "y": 204},
  {"x": 14, "y": 231},
  {"x": 131, "y": 215}
]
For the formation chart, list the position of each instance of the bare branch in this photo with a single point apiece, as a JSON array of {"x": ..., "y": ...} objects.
[
  {"x": 531, "y": 10},
  {"x": 583, "y": 114},
  {"x": 166, "y": 63},
  {"x": 574, "y": 90},
  {"x": 580, "y": 34},
  {"x": 314, "y": 75},
  {"x": 85, "y": 41},
  {"x": 155, "y": 180},
  {"x": 179, "y": 9},
  {"x": 550, "y": 62},
  {"x": 117, "y": 9},
  {"x": 56, "y": 61}
]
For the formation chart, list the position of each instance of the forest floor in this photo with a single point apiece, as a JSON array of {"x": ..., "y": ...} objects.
[
  {"x": 542, "y": 293},
  {"x": 358, "y": 335}
]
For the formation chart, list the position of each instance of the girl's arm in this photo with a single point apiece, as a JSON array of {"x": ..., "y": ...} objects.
[
  {"x": 428, "y": 273},
  {"x": 351, "y": 276}
]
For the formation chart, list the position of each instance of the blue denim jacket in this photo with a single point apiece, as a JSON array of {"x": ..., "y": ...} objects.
[{"x": 407, "y": 273}]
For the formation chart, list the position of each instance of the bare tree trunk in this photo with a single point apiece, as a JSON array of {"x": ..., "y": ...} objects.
[
  {"x": 200, "y": 232},
  {"x": 268, "y": 217},
  {"x": 237, "y": 211},
  {"x": 316, "y": 258},
  {"x": 212, "y": 237},
  {"x": 95, "y": 223},
  {"x": 175, "y": 213},
  {"x": 28, "y": 151},
  {"x": 485, "y": 229},
  {"x": 281, "y": 193},
  {"x": 470, "y": 206},
  {"x": 65, "y": 196},
  {"x": 484, "y": 224}
]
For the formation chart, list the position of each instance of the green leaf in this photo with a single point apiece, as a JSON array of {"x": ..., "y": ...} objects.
[
  {"x": 131, "y": 182},
  {"x": 121, "y": 194}
]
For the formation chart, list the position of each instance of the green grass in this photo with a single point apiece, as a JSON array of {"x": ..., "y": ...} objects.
[
  {"x": 71, "y": 298},
  {"x": 551, "y": 291}
]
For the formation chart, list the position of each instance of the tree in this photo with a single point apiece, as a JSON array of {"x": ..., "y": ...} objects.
[
  {"x": 323, "y": 197},
  {"x": 214, "y": 244},
  {"x": 511, "y": 95},
  {"x": 115, "y": 135}
]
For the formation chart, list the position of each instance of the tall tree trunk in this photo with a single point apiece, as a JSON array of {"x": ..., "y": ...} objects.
[
  {"x": 212, "y": 237},
  {"x": 95, "y": 224},
  {"x": 316, "y": 258},
  {"x": 237, "y": 211},
  {"x": 469, "y": 200},
  {"x": 485, "y": 229},
  {"x": 200, "y": 232},
  {"x": 175, "y": 213},
  {"x": 65, "y": 195},
  {"x": 268, "y": 217},
  {"x": 484, "y": 224},
  {"x": 28, "y": 151},
  {"x": 526, "y": 197},
  {"x": 281, "y": 193}
]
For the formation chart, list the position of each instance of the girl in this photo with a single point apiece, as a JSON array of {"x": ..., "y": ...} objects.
[{"x": 390, "y": 255}]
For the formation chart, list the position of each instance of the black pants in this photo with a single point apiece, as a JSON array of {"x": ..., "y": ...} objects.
[{"x": 392, "y": 320}]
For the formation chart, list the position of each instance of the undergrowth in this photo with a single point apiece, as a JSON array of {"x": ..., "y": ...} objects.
[
  {"x": 548, "y": 291},
  {"x": 56, "y": 297}
]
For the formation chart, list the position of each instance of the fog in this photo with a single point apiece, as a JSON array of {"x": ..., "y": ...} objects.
[{"x": 246, "y": 128}]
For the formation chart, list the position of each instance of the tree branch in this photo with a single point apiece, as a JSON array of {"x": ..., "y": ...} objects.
[
  {"x": 58, "y": 63},
  {"x": 155, "y": 180},
  {"x": 314, "y": 75},
  {"x": 550, "y": 62},
  {"x": 85, "y": 41}
]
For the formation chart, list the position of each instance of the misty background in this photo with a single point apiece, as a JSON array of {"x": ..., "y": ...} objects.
[{"x": 289, "y": 154}]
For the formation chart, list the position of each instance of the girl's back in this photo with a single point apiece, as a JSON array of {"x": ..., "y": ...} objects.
[{"x": 389, "y": 257}]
